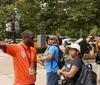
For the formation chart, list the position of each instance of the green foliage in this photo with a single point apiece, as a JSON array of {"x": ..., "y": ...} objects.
[
  {"x": 61, "y": 17},
  {"x": 69, "y": 15},
  {"x": 61, "y": 32},
  {"x": 94, "y": 31},
  {"x": 29, "y": 10}
]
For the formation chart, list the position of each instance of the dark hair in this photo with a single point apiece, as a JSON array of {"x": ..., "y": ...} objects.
[
  {"x": 60, "y": 40},
  {"x": 92, "y": 37},
  {"x": 97, "y": 47},
  {"x": 47, "y": 37},
  {"x": 26, "y": 33}
]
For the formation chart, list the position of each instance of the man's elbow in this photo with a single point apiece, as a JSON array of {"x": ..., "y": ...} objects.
[
  {"x": 48, "y": 58},
  {"x": 70, "y": 75}
]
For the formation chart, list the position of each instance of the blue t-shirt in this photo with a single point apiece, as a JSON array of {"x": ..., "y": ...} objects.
[
  {"x": 76, "y": 62},
  {"x": 51, "y": 65}
]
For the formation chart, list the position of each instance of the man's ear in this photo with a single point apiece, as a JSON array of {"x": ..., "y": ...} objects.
[
  {"x": 78, "y": 52},
  {"x": 55, "y": 41}
]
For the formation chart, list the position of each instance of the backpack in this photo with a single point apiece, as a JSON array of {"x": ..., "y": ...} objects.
[
  {"x": 87, "y": 76},
  {"x": 61, "y": 59}
]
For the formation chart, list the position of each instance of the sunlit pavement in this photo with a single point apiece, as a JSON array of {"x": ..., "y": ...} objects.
[{"x": 6, "y": 71}]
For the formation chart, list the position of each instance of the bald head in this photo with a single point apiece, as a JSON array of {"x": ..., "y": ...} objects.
[{"x": 27, "y": 33}]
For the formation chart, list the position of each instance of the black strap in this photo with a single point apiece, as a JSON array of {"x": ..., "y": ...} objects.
[
  {"x": 58, "y": 53},
  {"x": 53, "y": 57}
]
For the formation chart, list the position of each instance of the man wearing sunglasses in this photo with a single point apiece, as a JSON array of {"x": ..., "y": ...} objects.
[
  {"x": 24, "y": 59},
  {"x": 86, "y": 48}
]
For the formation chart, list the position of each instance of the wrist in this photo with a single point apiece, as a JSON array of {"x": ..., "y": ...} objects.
[
  {"x": 62, "y": 73},
  {"x": 45, "y": 58}
]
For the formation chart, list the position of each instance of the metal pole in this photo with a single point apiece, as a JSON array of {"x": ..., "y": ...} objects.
[
  {"x": 81, "y": 33},
  {"x": 13, "y": 23}
]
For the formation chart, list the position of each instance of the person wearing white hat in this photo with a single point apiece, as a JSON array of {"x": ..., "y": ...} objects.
[
  {"x": 75, "y": 46},
  {"x": 72, "y": 68}
]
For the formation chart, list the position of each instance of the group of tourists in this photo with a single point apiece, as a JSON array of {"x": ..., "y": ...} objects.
[
  {"x": 25, "y": 59},
  {"x": 72, "y": 69}
]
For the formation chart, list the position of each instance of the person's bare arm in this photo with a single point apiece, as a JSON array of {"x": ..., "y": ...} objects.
[
  {"x": 3, "y": 46},
  {"x": 92, "y": 50},
  {"x": 90, "y": 54},
  {"x": 72, "y": 72},
  {"x": 63, "y": 68},
  {"x": 44, "y": 58},
  {"x": 60, "y": 72}
]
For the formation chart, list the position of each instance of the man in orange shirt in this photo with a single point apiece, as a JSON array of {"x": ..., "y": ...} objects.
[{"x": 24, "y": 59}]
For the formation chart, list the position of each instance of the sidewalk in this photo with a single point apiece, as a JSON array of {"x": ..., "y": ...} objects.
[
  {"x": 6, "y": 71},
  {"x": 7, "y": 79}
]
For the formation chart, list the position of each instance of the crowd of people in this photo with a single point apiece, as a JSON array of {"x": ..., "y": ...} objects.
[{"x": 25, "y": 59}]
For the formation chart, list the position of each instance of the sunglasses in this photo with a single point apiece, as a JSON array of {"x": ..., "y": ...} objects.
[{"x": 31, "y": 38}]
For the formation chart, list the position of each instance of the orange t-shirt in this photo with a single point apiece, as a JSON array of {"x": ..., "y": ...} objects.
[{"x": 21, "y": 56}]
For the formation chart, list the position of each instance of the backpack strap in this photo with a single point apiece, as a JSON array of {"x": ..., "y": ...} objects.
[
  {"x": 61, "y": 59},
  {"x": 53, "y": 57},
  {"x": 58, "y": 53}
]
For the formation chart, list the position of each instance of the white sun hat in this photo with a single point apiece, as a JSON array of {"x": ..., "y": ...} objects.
[{"x": 75, "y": 46}]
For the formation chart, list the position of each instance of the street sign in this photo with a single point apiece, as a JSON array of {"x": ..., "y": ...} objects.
[
  {"x": 16, "y": 25},
  {"x": 17, "y": 14},
  {"x": 9, "y": 26}
]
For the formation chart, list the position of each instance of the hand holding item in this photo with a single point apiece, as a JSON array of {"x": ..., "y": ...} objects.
[
  {"x": 59, "y": 72},
  {"x": 42, "y": 59}
]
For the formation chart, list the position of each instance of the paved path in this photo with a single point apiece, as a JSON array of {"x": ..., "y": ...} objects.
[{"x": 6, "y": 71}]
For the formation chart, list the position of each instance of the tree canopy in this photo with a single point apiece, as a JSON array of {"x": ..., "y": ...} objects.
[{"x": 74, "y": 18}]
